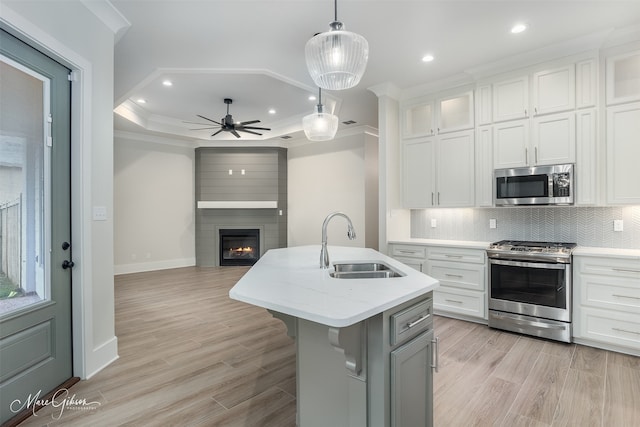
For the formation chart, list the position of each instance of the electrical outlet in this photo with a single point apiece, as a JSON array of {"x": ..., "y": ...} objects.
[
  {"x": 493, "y": 223},
  {"x": 433, "y": 223},
  {"x": 618, "y": 225}
]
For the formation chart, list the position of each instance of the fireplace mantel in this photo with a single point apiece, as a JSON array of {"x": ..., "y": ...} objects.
[{"x": 247, "y": 204}]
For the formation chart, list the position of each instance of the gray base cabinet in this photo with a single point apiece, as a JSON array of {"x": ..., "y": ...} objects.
[{"x": 376, "y": 373}]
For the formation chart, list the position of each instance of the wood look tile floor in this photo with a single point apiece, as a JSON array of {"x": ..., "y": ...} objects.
[{"x": 190, "y": 356}]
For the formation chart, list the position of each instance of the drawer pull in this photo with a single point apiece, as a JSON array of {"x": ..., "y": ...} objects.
[
  {"x": 453, "y": 300},
  {"x": 459, "y": 276},
  {"x": 626, "y": 270},
  {"x": 435, "y": 356},
  {"x": 624, "y": 330},
  {"x": 625, "y": 296},
  {"x": 420, "y": 320},
  {"x": 404, "y": 251},
  {"x": 452, "y": 256}
]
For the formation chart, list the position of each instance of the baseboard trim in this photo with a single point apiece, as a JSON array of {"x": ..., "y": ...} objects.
[
  {"x": 28, "y": 412},
  {"x": 153, "y": 266},
  {"x": 102, "y": 356}
]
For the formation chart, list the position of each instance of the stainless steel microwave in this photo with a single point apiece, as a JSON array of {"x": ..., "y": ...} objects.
[{"x": 537, "y": 185}]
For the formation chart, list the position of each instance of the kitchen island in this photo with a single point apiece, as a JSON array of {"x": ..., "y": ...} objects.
[{"x": 364, "y": 345}]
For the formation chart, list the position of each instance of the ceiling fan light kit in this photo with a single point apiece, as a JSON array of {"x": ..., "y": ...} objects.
[
  {"x": 336, "y": 59},
  {"x": 320, "y": 126}
]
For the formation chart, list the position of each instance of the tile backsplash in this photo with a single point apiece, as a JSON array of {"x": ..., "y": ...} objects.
[{"x": 586, "y": 226}]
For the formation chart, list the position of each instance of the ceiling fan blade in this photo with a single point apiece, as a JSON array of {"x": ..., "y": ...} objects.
[
  {"x": 206, "y": 118},
  {"x": 249, "y": 131},
  {"x": 195, "y": 123},
  {"x": 209, "y": 127},
  {"x": 249, "y": 122},
  {"x": 236, "y": 134},
  {"x": 214, "y": 134},
  {"x": 252, "y": 127}
]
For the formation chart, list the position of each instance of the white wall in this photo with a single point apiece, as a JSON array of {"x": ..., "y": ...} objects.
[
  {"x": 154, "y": 222},
  {"x": 324, "y": 177},
  {"x": 70, "y": 33}
]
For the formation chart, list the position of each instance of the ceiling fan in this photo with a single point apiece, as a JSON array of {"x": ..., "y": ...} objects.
[{"x": 228, "y": 125}]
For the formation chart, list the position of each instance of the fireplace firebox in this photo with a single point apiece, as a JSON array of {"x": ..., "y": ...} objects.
[{"x": 239, "y": 246}]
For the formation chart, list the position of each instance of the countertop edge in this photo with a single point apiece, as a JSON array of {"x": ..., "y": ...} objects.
[{"x": 470, "y": 244}]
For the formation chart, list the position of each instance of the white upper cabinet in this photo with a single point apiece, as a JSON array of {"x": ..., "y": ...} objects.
[
  {"x": 438, "y": 171},
  {"x": 554, "y": 90},
  {"x": 511, "y": 144},
  {"x": 455, "y": 172},
  {"x": 623, "y": 78},
  {"x": 418, "y": 178},
  {"x": 586, "y": 171},
  {"x": 455, "y": 113},
  {"x": 440, "y": 115},
  {"x": 586, "y": 83},
  {"x": 418, "y": 120},
  {"x": 554, "y": 139},
  {"x": 483, "y": 105},
  {"x": 511, "y": 99},
  {"x": 623, "y": 154},
  {"x": 484, "y": 166}
]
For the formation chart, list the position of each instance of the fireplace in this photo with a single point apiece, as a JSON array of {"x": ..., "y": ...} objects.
[{"x": 239, "y": 246}]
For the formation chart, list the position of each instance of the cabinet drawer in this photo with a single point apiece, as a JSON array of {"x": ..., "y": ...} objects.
[
  {"x": 476, "y": 256},
  {"x": 615, "y": 267},
  {"x": 408, "y": 251},
  {"x": 460, "y": 301},
  {"x": 462, "y": 275},
  {"x": 610, "y": 292},
  {"x": 414, "y": 263},
  {"x": 411, "y": 321},
  {"x": 610, "y": 327}
]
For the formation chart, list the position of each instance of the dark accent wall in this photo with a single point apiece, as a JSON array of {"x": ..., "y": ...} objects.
[{"x": 265, "y": 179}]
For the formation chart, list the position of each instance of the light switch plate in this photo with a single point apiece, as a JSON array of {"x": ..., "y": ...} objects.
[
  {"x": 618, "y": 225},
  {"x": 492, "y": 223},
  {"x": 433, "y": 223},
  {"x": 99, "y": 213}
]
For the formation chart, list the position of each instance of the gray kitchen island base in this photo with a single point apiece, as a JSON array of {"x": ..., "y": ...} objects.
[{"x": 375, "y": 373}]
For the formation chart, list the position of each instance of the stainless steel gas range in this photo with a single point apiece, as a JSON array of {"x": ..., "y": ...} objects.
[{"x": 530, "y": 288}]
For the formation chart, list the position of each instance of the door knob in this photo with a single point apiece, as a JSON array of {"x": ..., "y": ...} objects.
[
  {"x": 65, "y": 246},
  {"x": 67, "y": 264}
]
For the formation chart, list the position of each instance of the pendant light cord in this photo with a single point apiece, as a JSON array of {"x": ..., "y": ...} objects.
[{"x": 335, "y": 5}]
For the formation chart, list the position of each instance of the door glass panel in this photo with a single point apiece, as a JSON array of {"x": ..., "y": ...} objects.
[{"x": 24, "y": 187}]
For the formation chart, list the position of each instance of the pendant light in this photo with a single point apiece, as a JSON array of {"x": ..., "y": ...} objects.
[
  {"x": 336, "y": 59},
  {"x": 320, "y": 126}
]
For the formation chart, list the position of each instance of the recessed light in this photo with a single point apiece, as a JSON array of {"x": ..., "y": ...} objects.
[
  {"x": 272, "y": 111},
  {"x": 141, "y": 101},
  {"x": 518, "y": 28},
  {"x": 312, "y": 98},
  {"x": 167, "y": 83},
  {"x": 427, "y": 58}
]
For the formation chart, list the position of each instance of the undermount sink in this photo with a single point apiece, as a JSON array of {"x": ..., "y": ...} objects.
[{"x": 364, "y": 270}]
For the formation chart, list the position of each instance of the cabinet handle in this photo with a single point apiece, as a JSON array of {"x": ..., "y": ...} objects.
[
  {"x": 626, "y": 270},
  {"x": 525, "y": 112},
  {"x": 420, "y": 320},
  {"x": 624, "y": 330},
  {"x": 535, "y": 110},
  {"x": 435, "y": 356},
  {"x": 438, "y": 198},
  {"x": 535, "y": 150},
  {"x": 625, "y": 296},
  {"x": 452, "y": 256},
  {"x": 432, "y": 198},
  {"x": 526, "y": 156},
  {"x": 453, "y": 300},
  {"x": 431, "y": 131},
  {"x": 459, "y": 276},
  {"x": 406, "y": 251}
]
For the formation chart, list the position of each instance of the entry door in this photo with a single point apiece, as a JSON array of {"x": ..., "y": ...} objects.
[{"x": 35, "y": 232}]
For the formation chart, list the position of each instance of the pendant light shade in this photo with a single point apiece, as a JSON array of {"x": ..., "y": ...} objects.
[
  {"x": 320, "y": 126},
  {"x": 336, "y": 59}
]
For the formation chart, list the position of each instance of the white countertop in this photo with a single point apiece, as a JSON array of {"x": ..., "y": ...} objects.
[
  {"x": 607, "y": 252},
  {"x": 290, "y": 281},
  {"x": 439, "y": 242}
]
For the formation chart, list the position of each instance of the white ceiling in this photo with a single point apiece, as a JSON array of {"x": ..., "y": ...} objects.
[{"x": 253, "y": 52}]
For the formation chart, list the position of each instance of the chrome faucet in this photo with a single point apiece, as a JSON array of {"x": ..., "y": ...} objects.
[{"x": 351, "y": 234}]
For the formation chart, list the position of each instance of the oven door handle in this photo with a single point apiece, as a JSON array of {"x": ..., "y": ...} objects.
[{"x": 529, "y": 264}]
